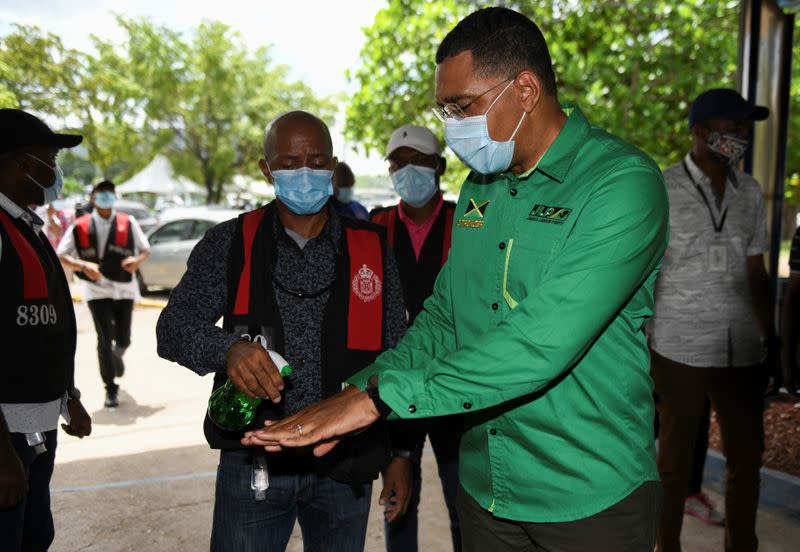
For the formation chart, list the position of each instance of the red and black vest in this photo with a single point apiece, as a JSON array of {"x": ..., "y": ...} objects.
[
  {"x": 37, "y": 321},
  {"x": 352, "y": 334},
  {"x": 417, "y": 276},
  {"x": 119, "y": 246}
]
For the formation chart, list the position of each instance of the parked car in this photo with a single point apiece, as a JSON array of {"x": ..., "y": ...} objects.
[{"x": 172, "y": 242}]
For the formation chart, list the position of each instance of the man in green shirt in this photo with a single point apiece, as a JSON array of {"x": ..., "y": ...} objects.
[{"x": 535, "y": 329}]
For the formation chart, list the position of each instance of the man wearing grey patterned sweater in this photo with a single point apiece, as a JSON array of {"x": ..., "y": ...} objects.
[{"x": 324, "y": 291}]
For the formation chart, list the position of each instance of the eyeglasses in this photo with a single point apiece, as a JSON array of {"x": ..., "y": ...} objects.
[{"x": 457, "y": 112}]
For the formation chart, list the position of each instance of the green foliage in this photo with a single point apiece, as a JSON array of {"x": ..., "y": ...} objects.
[
  {"x": 203, "y": 98},
  {"x": 633, "y": 66}
]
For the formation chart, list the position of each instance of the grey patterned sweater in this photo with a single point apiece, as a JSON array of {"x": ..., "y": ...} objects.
[{"x": 187, "y": 332}]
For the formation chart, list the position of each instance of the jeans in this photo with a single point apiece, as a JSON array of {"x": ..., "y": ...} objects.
[
  {"x": 627, "y": 526},
  {"x": 737, "y": 397},
  {"x": 332, "y": 515},
  {"x": 28, "y": 526},
  {"x": 112, "y": 322},
  {"x": 402, "y": 535}
]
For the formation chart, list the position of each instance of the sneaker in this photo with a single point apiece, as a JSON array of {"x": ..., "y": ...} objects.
[
  {"x": 701, "y": 507},
  {"x": 111, "y": 400},
  {"x": 116, "y": 360}
]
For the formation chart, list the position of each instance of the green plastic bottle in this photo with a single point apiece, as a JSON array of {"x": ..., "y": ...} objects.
[{"x": 231, "y": 409}]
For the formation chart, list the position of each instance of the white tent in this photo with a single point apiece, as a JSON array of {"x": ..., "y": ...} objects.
[{"x": 158, "y": 178}]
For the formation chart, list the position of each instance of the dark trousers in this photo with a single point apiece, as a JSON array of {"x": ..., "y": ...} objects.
[
  {"x": 112, "y": 322},
  {"x": 402, "y": 535},
  {"x": 28, "y": 526},
  {"x": 700, "y": 449},
  {"x": 737, "y": 397},
  {"x": 628, "y": 526},
  {"x": 332, "y": 515}
]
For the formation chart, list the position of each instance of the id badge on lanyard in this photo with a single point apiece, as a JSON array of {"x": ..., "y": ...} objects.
[
  {"x": 717, "y": 256},
  {"x": 718, "y": 248}
]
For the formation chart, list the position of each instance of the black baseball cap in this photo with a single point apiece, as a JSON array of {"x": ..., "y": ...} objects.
[
  {"x": 727, "y": 104},
  {"x": 19, "y": 129}
]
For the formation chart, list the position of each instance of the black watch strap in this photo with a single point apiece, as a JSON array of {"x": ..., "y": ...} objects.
[{"x": 372, "y": 390}]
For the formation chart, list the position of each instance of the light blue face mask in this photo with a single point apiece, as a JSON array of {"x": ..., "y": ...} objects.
[
  {"x": 51, "y": 192},
  {"x": 345, "y": 195},
  {"x": 415, "y": 184},
  {"x": 470, "y": 141},
  {"x": 104, "y": 200},
  {"x": 304, "y": 191}
]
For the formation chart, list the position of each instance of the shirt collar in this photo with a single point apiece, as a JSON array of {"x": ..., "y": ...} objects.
[
  {"x": 27, "y": 216},
  {"x": 559, "y": 157},
  {"x": 331, "y": 232},
  {"x": 408, "y": 220},
  {"x": 96, "y": 216},
  {"x": 701, "y": 178}
]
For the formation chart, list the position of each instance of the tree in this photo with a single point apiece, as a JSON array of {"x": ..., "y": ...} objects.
[
  {"x": 203, "y": 99},
  {"x": 207, "y": 97},
  {"x": 633, "y": 66}
]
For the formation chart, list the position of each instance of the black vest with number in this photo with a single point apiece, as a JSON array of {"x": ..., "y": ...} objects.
[
  {"x": 417, "y": 275},
  {"x": 38, "y": 322},
  {"x": 119, "y": 246},
  {"x": 352, "y": 335}
]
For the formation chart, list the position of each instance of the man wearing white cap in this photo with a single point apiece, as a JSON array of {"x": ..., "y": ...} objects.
[{"x": 418, "y": 229}]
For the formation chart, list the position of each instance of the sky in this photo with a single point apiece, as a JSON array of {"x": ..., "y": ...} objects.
[{"x": 318, "y": 39}]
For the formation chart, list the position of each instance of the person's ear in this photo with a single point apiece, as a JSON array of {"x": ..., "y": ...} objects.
[
  {"x": 529, "y": 90},
  {"x": 262, "y": 164}
]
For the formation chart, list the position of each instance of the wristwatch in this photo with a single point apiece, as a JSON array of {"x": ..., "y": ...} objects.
[
  {"x": 412, "y": 456},
  {"x": 74, "y": 393},
  {"x": 372, "y": 390}
]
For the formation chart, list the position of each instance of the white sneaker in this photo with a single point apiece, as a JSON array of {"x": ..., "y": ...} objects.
[{"x": 701, "y": 507}]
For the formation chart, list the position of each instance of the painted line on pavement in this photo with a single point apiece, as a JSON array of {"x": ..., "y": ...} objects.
[{"x": 134, "y": 482}]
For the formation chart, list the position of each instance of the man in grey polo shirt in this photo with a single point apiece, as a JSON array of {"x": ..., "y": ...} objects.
[{"x": 713, "y": 321}]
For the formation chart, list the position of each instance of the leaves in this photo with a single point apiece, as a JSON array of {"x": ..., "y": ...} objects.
[
  {"x": 633, "y": 66},
  {"x": 203, "y": 98}
]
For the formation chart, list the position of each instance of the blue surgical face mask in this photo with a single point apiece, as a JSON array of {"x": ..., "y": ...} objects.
[
  {"x": 345, "y": 195},
  {"x": 470, "y": 141},
  {"x": 415, "y": 184},
  {"x": 104, "y": 200},
  {"x": 51, "y": 192},
  {"x": 304, "y": 191}
]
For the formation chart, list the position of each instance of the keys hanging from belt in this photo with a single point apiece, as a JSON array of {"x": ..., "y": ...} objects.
[{"x": 259, "y": 479}]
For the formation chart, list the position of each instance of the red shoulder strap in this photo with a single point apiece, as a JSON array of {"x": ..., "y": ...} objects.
[
  {"x": 82, "y": 226},
  {"x": 250, "y": 224},
  {"x": 448, "y": 231},
  {"x": 123, "y": 229},
  {"x": 34, "y": 284},
  {"x": 365, "y": 313},
  {"x": 388, "y": 219}
]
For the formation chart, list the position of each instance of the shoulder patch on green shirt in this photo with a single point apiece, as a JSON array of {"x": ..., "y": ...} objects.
[{"x": 546, "y": 213}]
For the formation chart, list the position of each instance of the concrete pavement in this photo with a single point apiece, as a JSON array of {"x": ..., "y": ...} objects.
[{"x": 144, "y": 480}]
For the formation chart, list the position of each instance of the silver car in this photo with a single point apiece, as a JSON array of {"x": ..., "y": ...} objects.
[{"x": 172, "y": 242}]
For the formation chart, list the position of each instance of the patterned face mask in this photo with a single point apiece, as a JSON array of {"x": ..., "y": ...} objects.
[{"x": 731, "y": 147}]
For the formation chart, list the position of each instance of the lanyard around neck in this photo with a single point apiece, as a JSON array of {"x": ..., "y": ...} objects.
[{"x": 718, "y": 226}]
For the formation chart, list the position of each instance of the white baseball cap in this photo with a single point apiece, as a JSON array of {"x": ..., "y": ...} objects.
[{"x": 416, "y": 137}]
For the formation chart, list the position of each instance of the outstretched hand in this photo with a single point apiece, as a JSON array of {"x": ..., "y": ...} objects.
[{"x": 321, "y": 425}]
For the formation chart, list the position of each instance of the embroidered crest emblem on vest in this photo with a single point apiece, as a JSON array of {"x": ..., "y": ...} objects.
[{"x": 366, "y": 284}]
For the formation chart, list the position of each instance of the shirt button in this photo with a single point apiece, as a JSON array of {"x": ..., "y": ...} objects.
[
  {"x": 493, "y": 431},
  {"x": 412, "y": 408},
  {"x": 495, "y": 306},
  {"x": 513, "y": 191},
  {"x": 502, "y": 245},
  {"x": 467, "y": 405}
]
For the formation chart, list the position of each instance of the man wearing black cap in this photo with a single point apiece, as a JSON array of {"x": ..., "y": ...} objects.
[
  {"x": 713, "y": 327},
  {"x": 39, "y": 335},
  {"x": 105, "y": 249}
]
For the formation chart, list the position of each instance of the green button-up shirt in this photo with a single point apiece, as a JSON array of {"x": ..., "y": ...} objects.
[{"x": 535, "y": 330}]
